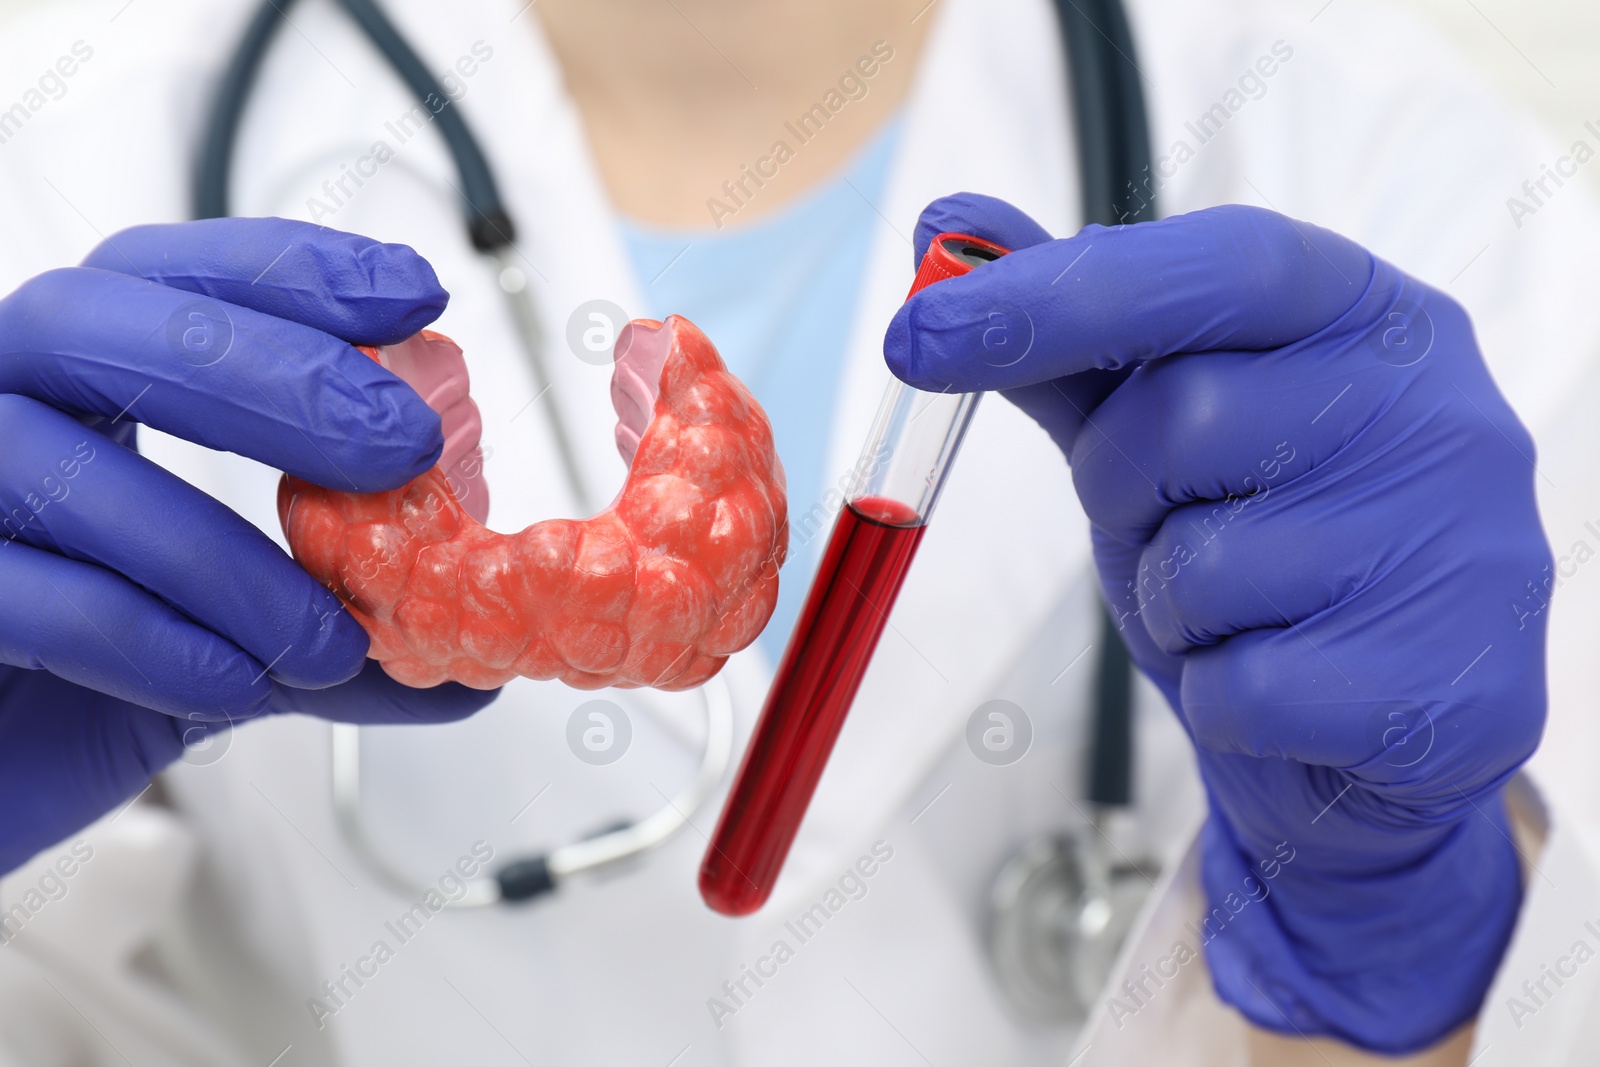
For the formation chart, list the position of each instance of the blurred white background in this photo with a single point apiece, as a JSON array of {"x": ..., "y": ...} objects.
[{"x": 1543, "y": 53}]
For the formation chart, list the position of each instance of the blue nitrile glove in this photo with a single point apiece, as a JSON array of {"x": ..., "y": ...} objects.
[
  {"x": 137, "y": 613},
  {"x": 1313, "y": 515}
]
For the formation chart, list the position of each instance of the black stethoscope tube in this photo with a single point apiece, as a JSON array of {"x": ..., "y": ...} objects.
[
  {"x": 489, "y": 225},
  {"x": 1114, "y": 163}
]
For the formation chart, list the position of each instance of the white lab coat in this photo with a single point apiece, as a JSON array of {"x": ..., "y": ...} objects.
[{"x": 198, "y": 932}]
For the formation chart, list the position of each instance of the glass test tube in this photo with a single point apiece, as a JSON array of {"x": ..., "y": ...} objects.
[{"x": 897, "y": 482}]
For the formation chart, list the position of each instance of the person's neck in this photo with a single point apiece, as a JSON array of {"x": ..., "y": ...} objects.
[{"x": 680, "y": 97}]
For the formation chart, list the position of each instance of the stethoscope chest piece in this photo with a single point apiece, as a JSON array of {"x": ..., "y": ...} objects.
[{"x": 1059, "y": 913}]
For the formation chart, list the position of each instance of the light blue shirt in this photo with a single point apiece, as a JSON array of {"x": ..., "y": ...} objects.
[{"x": 778, "y": 297}]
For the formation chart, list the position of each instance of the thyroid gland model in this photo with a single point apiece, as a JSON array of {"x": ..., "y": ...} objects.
[{"x": 657, "y": 590}]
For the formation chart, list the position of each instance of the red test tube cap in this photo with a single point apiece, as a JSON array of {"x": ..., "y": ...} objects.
[{"x": 951, "y": 255}]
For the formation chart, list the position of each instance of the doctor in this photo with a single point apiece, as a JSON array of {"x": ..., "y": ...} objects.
[{"x": 221, "y": 919}]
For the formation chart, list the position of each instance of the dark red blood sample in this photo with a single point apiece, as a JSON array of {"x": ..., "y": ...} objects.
[
  {"x": 865, "y": 563},
  {"x": 845, "y": 612}
]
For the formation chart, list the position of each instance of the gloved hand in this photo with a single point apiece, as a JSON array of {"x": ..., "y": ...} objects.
[
  {"x": 1313, "y": 516},
  {"x": 138, "y": 614}
]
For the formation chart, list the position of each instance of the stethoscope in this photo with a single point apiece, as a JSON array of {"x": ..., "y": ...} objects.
[{"x": 1061, "y": 905}]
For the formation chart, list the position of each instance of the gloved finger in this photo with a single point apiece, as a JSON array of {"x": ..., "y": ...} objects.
[
  {"x": 96, "y": 629},
  {"x": 1217, "y": 429},
  {"x": 352, "y": 287},
  {"x": 1305, "y": 693},
  {"x": 1226, "y": 278},
  {"x": 1215, "y": 569},
  {"x": 1123, "y": 585},
  {"x": 372, "y": 697},
  {"x": 1319, "y": 663},
  {"x": 65, "y": 490},
  {"x": 1226, "y": 426},
  {"x": 69, "y": 756},
  {"x": 976, "y": 215},
  {"x": 97, "y": 343}
]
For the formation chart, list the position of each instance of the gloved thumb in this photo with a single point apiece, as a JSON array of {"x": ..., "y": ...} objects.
[{"x": 972, "y": 214}]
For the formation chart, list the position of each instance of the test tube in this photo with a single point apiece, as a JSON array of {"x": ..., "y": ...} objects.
[{"x": 896, "y": 484}]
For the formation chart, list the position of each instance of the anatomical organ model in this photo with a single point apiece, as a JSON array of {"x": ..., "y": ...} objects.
[{"x": 657, "y": 590}]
